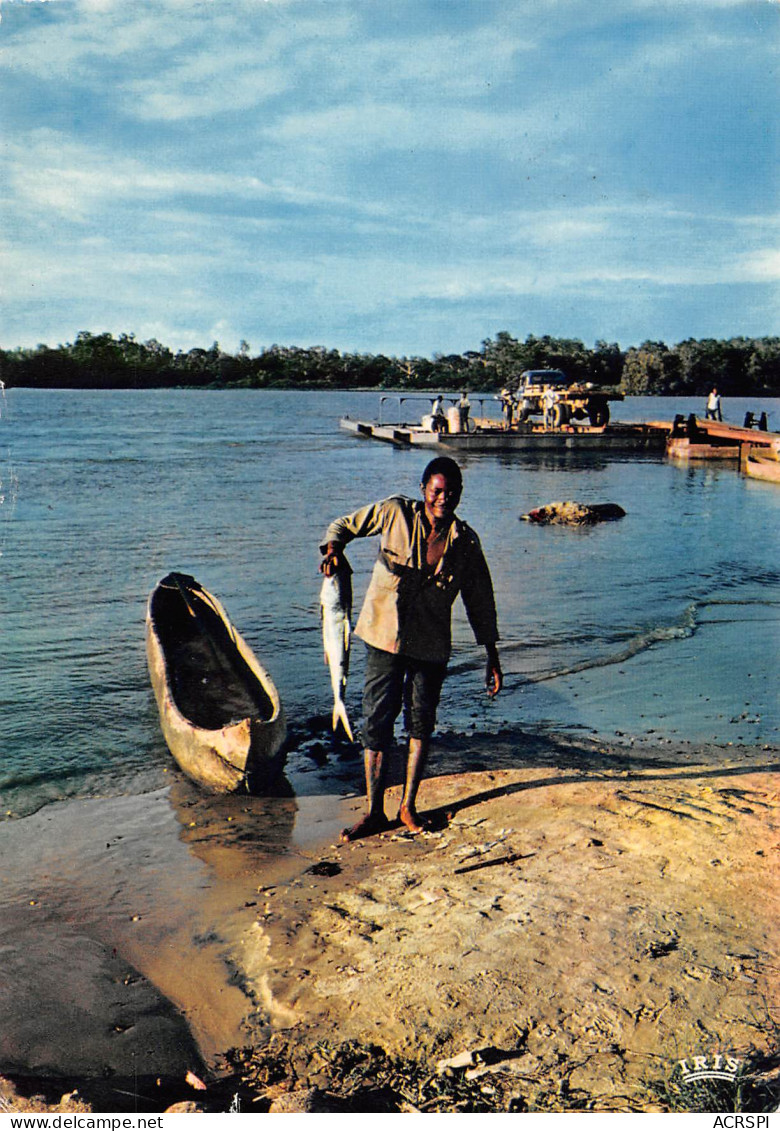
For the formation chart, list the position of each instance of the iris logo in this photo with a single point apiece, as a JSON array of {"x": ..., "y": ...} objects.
[{"x": 717, "y": 1066}]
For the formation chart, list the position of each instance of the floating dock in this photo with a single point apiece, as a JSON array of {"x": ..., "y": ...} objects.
[
  {"x": 697, "y": 440},
  {"x": 681, "y": 448}
]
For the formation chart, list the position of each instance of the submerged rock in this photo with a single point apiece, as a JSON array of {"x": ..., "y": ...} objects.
[{"x": 574, "y": 514}]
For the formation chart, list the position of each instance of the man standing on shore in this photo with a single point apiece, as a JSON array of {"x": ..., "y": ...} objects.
[{"x": 427, "y": 555}]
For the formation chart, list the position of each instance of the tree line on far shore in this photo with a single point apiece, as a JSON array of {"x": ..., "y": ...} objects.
[{"x": 736, "y": 366}]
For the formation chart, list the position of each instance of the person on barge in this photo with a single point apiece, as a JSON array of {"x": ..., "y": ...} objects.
[
  {"x": 427, "y": 556},
  {"x": 437, "y": 412}
]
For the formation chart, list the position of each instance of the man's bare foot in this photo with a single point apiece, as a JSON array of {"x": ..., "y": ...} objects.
[
  {"x": 408, "y": 816},
  {"x": 366, "y": 826}
]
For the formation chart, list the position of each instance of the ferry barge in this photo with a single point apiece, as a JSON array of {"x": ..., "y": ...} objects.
[
  {"x": 487, "y": 434},
  {"x": 682, "y": 439}
]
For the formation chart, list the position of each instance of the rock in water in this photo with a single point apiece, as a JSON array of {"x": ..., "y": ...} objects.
[{"x": 574, "y": 514}]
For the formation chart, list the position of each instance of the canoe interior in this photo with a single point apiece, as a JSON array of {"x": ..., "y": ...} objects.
[{"x": 209, "y": 680}]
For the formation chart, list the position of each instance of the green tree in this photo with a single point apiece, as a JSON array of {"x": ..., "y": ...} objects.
[
  {"x": 605, "y": 364},
  {"x": 502, "y": 358},
  {"x": 644, "y": 372},
  {"x": 763, "y": 368}
]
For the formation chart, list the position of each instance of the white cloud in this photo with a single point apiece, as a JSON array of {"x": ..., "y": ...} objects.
[
  {"x": 375, "y": 127},
  {"x": 319, "y": 53},
  {"x": 566, "y": 229},
  {"x": 441, "y": 67},
  {"x": 505, "y": 252},
  {"x": 759, "y": 267},
  {"x": 206, "y": 86},
  {"x": 175, "y": 59},
  {"x": 49, "y": 172},
  {"x": 79, "y": 42}
]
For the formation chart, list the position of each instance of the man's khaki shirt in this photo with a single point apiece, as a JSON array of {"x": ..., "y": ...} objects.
[{"x": 408, "y": 606}]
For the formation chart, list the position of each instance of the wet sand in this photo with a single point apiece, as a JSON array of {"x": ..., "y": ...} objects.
[
  {"x": 581, "y": 917},
  {"x": 114, "y": 927}
]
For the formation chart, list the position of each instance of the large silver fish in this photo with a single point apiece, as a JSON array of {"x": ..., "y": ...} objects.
[{"x": 336, "y": 609}]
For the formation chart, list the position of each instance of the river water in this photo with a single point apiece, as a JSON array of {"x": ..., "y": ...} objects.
[{"x": 663, "y": 624}]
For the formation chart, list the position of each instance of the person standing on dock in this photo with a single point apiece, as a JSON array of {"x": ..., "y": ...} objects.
[
  {"x": 464, "y": 408},
  {"x": 427, "y": 555},
  {"x": 712, "y": 411}
]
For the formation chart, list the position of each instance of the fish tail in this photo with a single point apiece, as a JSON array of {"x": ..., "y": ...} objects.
[{"x": 340, "y": 716}]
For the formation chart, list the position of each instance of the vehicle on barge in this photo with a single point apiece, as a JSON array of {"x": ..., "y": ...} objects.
[{"x": 550, "y": 393}]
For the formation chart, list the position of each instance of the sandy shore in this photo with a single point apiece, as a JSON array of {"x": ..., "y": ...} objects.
[
  {"x": 581, "y": 918},
  {"x": 583, "y": 924}
]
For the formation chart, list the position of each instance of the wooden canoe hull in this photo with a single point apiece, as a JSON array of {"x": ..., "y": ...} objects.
[
  {"x": 761, "y": 465},
  {"x": 220, "y": 712}
]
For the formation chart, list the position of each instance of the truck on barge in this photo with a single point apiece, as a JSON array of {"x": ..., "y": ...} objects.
[{"x": 549, "y": 393}]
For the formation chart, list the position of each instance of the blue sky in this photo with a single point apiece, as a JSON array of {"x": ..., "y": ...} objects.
[{"x": 398, "y": 176}]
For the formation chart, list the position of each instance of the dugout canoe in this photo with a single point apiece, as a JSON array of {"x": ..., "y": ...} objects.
[
  {"x": 760, "y": 464},
  {"x": 220, "y": 712}
]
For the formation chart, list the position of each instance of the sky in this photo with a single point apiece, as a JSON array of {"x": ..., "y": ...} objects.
[{"x": 407, "y": 177}]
